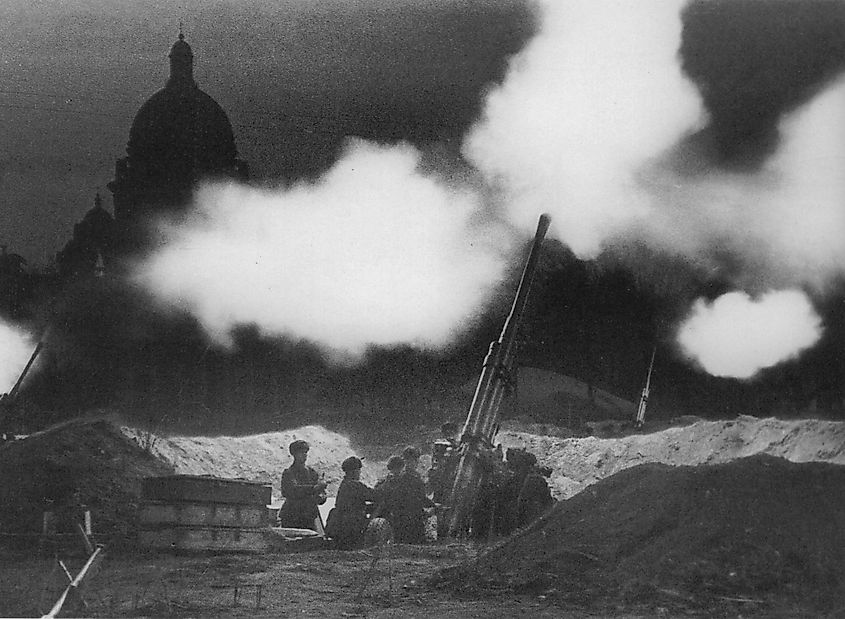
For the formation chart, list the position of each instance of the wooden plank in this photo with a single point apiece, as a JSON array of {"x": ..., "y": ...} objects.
[
  {"x": 72, "y": 591},
  {"x": 201, "y": 489}
]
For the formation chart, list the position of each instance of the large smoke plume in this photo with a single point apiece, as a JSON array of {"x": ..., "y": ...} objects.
[
  {"x": 587, "y": 106},
  {"x": 374, "y": 253},
  {"x": 592, "y": 123}
]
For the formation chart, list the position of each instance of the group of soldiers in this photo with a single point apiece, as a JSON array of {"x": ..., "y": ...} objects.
[{"x": 513, "y": 492}]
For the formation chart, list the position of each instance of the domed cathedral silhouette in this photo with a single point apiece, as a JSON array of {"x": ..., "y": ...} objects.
[{"x": 179, "y": 137}]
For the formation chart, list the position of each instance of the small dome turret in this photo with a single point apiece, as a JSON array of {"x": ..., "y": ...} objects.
[{"x": 181, "y": 63}]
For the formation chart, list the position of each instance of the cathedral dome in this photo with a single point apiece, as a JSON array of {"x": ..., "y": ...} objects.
[
  {"x": 179, "y": 137},
  {"x": 181, "y": 131}
]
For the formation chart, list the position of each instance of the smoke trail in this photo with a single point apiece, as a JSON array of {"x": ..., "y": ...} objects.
[
  {"x": 736, "y": 336},
  {"x": 596, "y": 96},
  {"x": 373, "y": 253},
  {"x": 16, "y": 347}
]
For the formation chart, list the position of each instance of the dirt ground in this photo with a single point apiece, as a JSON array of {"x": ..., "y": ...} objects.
[{"x": 323, "y": 583}]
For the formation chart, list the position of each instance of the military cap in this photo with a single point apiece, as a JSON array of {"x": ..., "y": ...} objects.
[
  {"x": 299, "y": 446},
  {"x": 350, "y": 464}
]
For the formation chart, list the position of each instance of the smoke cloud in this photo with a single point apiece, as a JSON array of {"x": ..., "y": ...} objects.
[
  {"x": 593, "y": 123},
  {"x": 16, "y": 346},
  {"x": 782, "y": 226},
  {"x": 595, "y": 97},
  {"x": 374, "y": 253},
  {"x": 737, "y": 336}
]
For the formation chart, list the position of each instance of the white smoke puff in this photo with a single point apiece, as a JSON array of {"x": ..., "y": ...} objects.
[
  {"x": 16, "y": 346},
  {"x": 736, "y": 336},
  {"x": 783, "y": 225},
  {"x": 596, "y": 95},
  {"x": 375, "y": 253}
]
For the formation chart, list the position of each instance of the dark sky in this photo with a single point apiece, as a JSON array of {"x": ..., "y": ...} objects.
[
  {"x": 295, "y": 78},
  {"x": 298, "y": 77}
]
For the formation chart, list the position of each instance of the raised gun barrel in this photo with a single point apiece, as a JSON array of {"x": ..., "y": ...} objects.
[
  {"x": 640, "y": 420},
  {"x": 7, "y": 400},
  {"x": 480, "y": 426}
]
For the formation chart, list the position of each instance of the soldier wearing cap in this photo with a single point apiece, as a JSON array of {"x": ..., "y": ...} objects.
[
  {"x": 347, "y": 521},
  {"x": 303, "y": 491}
]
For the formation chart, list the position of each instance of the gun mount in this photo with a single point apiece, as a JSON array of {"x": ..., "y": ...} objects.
[{"x": 494, "y": 382}]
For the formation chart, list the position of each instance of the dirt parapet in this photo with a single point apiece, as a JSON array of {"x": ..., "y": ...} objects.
[{"x": 757, "y": 528}]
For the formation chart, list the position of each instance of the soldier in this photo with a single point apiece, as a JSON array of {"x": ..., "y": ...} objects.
[
  {"x": 348, "y": 519},
  {"x": 441, "y": 477},
  {"x": 484, "y": 514},
  {"x": 519, "y": 463},
  {"x": 448, "y": 432},
  {"x": 388, "y": 494},
  {"x": 442, "y": 473},
  {"x": 303, "y": 491},
  {"x": 535, "y": 497},
  {"x": 409, "y": 521}
]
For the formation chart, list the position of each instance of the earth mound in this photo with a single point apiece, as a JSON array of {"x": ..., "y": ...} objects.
[
  {"x": 100, "y": 464},
  {"x": 750, "y": 530},
  {"x": 260, "y": 457},
  {"x": 78, "y": 462},
  {"x": 579, "y": 462}
]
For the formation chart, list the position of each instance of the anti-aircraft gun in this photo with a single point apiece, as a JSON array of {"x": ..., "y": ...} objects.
[
  {"x": 8, "y": 401},
  {"x": 494, "y": 382}
]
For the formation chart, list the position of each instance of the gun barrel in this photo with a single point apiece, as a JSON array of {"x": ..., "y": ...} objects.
[
  {"x": 646, "y": 390},
  {"x": 26, "y": 369},
  {"x": 480, "y": 426}
]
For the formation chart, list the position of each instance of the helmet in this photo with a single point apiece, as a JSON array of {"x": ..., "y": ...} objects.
[{"x": 395, "y": 463}]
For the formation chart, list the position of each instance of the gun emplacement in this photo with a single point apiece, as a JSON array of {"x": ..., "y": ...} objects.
[{"x": 494, "y": 382}]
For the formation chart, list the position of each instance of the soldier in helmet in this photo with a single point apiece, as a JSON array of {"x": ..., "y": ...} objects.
[
  {"x": 347, "y": 521},
  {"x": 303, "y": 491}
]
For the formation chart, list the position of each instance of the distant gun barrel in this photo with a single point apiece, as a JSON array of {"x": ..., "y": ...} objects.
[
  {"x": 644, "y": 396},
  {"x": 14, "y": 392},
  {"x": 7, "y": 400},
  {"x": 494, "y": 382}
]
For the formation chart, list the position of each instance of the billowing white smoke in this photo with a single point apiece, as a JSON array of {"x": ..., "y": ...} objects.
[
  {"x": 584, "y": 127},
  {"x": 783, "y": 225},
  {"x": 16, "y": 347},
  {"x": 373, "y": 253},
  {"x": 594, "y": 97},
  {"x": 736, "y": 336}
]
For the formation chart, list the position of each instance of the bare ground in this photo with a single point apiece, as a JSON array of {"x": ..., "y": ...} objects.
[{"x": 323, "y": 583}]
